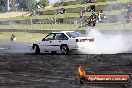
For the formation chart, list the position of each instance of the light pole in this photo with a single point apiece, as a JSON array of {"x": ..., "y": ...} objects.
[{"x": 7, "y": 5}]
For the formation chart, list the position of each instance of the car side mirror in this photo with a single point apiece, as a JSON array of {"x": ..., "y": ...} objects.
[{"x": 43, "y": 39}]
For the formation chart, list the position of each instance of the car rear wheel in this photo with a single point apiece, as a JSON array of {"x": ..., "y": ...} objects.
[{"x": 64, "y": 49}]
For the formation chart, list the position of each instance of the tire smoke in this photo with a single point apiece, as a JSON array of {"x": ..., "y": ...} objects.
[
  {"x": 19, "y": 47},
  {"x": 104, "y": 43}
]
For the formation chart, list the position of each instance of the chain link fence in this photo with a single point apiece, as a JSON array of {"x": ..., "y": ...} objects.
[{"x": 74, "y": 25}]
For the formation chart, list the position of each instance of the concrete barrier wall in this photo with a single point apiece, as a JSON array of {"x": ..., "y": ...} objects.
[
  {"x": 4, "y": 22},
  {"x": 99, "y": 0},
  {"x": 69, "y": 10},
  {"x": 79, "y": 9},
  {"x": 76, "y": 2},
  {"x": 12, "y": 22},
  {"x": 71, "y": 20},
  {"x": 110, "y": 7},
  {"x": 103, "y": 7},
  {"x": 28, "y": 21},
  {"x": 68, "y": 20},
  {"x": 75, "y": 10},
  {"x": 68, "y": 3},
  {"x": 48, "y": 21},
  {"x": 115, "y": 18},
  {"x": 74, "y": 20},
  {"x": 83, "y": 1},
  {"x": 43, "y": 21},
  {"x": 48, "y": 12}
]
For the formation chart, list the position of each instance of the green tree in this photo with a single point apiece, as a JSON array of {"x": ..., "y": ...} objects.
[
  {"x": 27, "y": 4},
  {"x": 31, "y": 4},
  {"x": 13, "y": 5},
  {"x": 2, "y": 4},
  {"x": 43, "y": 3}
]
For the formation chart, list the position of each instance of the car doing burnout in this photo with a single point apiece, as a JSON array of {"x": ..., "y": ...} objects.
[{"x": 63, "y": 42}]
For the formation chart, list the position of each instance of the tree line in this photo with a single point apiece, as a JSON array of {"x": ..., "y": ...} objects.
[{"x": 27, "y": 5}]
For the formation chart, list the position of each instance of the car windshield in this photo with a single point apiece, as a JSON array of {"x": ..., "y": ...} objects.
[{"x": 74, "y": 34}]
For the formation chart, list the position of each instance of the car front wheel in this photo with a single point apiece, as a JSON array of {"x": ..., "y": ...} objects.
[
  {"x": 36, "y": 49},
  {"x": 64, "y": 49}
]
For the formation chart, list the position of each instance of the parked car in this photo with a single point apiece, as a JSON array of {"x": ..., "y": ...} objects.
[{"x": 63, "y": 41}]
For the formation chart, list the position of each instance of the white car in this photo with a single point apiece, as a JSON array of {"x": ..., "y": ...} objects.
[{"x": 63, "y": 41}]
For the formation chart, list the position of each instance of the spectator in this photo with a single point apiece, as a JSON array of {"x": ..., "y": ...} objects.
[
  {"x": 99, "y": 16},
  {"x": 91, "y": 21},
  {"x": 81, "y": 16},
  {"x": 13, "y": 38}
]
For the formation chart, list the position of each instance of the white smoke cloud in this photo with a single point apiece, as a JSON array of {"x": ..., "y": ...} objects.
[
  {"x": 104, "y": 44},
  {"x": 19, "y": 47}
]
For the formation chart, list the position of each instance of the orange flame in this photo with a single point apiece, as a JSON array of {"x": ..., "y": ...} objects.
[{"x": 81, "y": 71}]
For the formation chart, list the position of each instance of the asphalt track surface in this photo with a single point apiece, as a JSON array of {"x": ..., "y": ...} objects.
[
  {"x": 26, "y": 70},
  {"x": 59, "y": 71}
]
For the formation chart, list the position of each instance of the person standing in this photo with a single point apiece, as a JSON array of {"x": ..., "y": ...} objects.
[
  {"x": 81, "y": 16},
  {"x": 13, "y": 38},
  {"x": 99, "y": 17},
  {"x": 91, "y": 21}
]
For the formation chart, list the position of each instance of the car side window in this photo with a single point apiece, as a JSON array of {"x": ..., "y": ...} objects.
[
  {"x": 60, "y": 36},
  {"x": 50, "y": 37}
]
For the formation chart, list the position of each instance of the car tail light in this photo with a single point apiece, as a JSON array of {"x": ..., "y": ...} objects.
[
  {"x": 81, "y": 40},
  {"x": 84, "y": 40},
  {"x": 91, "y": 40}
]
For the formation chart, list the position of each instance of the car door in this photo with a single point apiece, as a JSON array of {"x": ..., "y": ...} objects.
[
  {"x": 59, "y": 39},
  {"x": 47, "y": 42}
]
